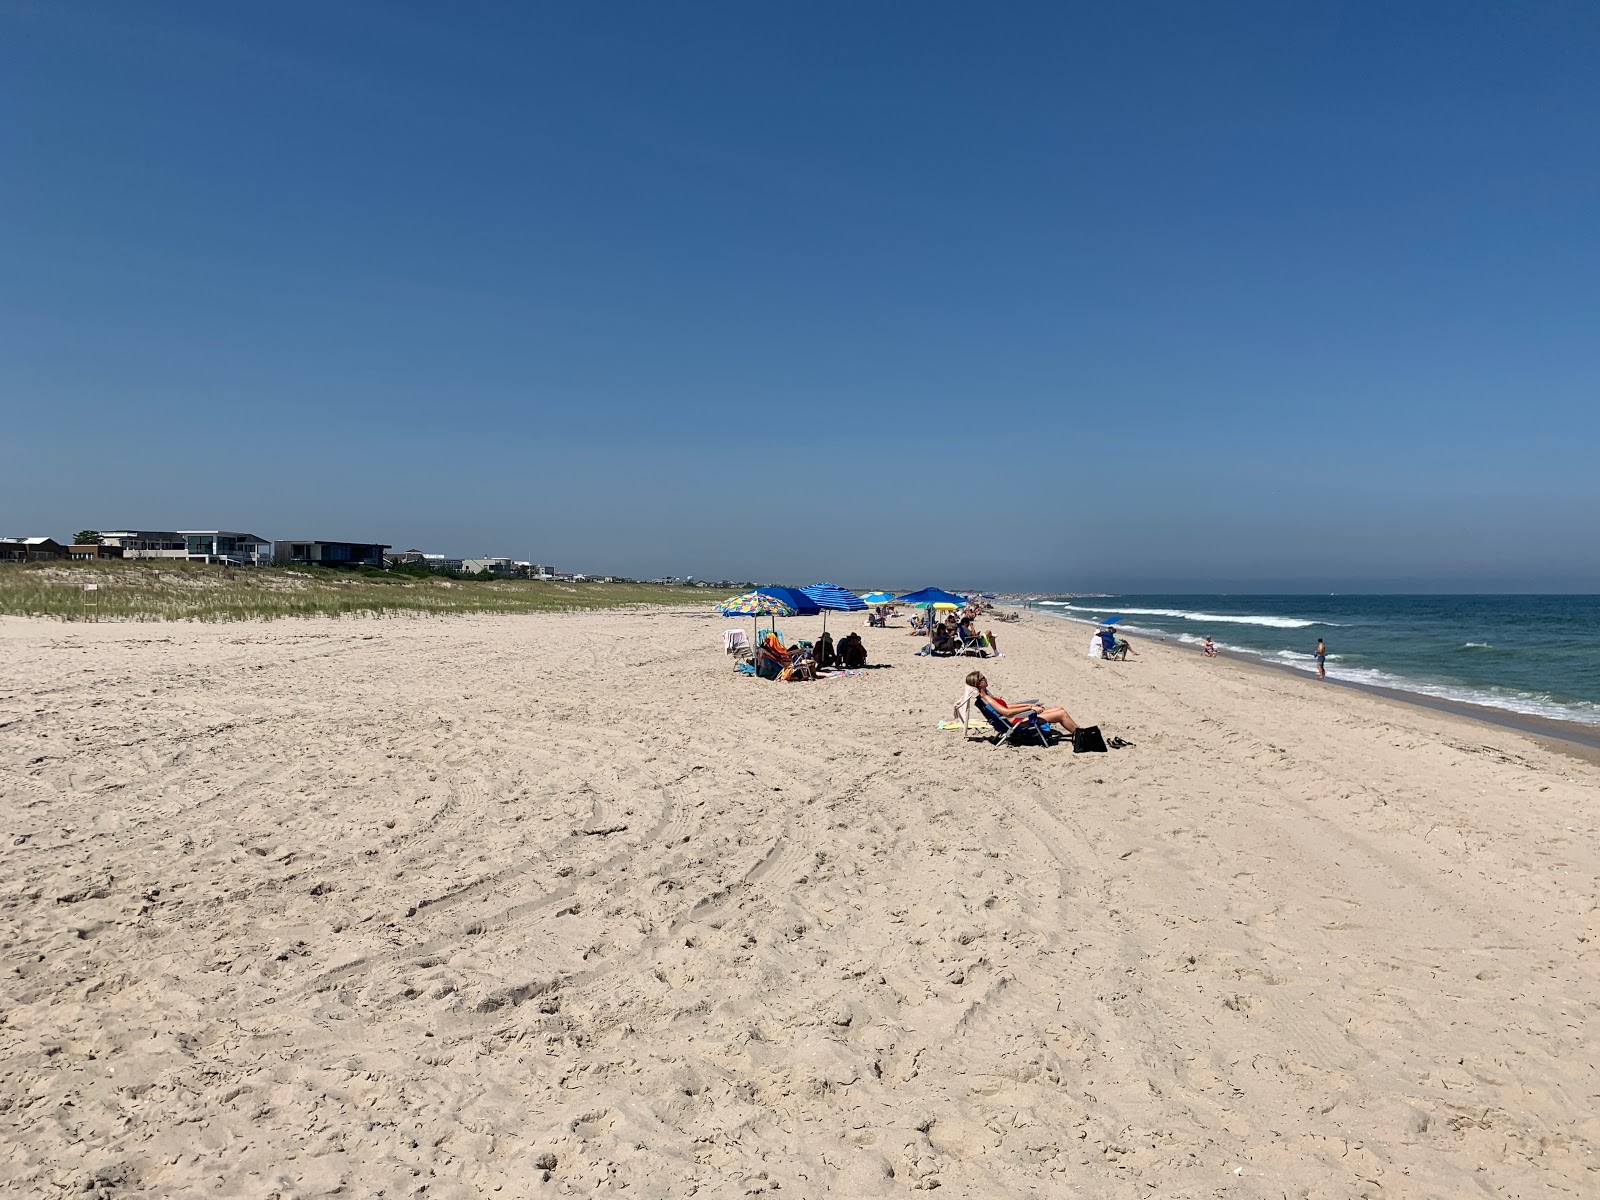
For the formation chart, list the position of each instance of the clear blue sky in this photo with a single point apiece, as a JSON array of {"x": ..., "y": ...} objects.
[{"x": 1061, "y": 296}]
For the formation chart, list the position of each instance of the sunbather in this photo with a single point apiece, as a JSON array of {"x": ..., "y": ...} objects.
[
  {"x": 1054, "y": 715},
  {"x": 985, "y": 639}
]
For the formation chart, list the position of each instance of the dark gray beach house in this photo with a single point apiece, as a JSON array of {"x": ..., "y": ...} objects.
[{"x": 316, "y": 553}]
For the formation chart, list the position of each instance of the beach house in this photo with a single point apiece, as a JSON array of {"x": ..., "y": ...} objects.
[
  {"x": 493, "y": 564},
  {"x": 434, "y": 562},
  {"x": 226, "y": 546},
  {"x": 146, "y": 543},
  {"x": 194, "y": 545},
  {"x": 92, "y": 551},
  {"x": 31, "y": 549},
  {"x": 323, "y": 553}
]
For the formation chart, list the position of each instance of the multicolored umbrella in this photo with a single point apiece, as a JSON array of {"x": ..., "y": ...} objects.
[{"x": 756, "y": 605}]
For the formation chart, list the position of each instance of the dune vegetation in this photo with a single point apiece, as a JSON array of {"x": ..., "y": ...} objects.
[{"x": 181, "y": 591}]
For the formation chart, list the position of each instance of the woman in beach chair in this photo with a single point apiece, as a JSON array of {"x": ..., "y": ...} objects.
[{"x": 1054, "y": 717}]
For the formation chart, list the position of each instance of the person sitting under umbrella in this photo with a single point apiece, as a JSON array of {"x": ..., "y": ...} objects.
[{"x": 852, "y": 652}]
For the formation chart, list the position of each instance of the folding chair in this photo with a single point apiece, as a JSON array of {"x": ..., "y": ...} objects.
[{"x": 1029, "y": 725}]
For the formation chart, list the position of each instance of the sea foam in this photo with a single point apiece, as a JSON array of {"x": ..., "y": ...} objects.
[{"x": 1198, "y": 617}]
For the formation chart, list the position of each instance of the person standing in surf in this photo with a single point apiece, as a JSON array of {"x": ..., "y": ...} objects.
[{"x": 1322, "y": 654}]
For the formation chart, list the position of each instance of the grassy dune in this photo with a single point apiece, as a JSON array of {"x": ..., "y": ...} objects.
[{"x": 179, "y": 591}]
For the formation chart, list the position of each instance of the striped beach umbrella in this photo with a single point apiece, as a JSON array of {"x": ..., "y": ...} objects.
[{"x": 831, "y": 598}]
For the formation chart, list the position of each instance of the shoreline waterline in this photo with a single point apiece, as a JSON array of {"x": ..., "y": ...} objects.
[{"x": 1572, "y": 736}]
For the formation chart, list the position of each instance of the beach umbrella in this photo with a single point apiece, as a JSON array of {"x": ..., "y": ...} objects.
[
  {"x": 756, "y": 605},
  {"x": 877, "y": 598},
  {"x": 803, "y": 605},
  {"x": 830, "y": 598},
  {"x": 934, "y": 596},
  {"x": 931, "y": 598}
]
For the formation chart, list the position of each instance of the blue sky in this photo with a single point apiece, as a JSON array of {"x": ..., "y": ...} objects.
[{"x": 1054, "y": 296}]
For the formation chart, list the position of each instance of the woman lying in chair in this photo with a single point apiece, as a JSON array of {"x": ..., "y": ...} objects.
[{"x": 1057, "y": 716}]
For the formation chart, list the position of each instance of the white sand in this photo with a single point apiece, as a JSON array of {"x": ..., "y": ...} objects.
[{"x": 435, "y": 906}]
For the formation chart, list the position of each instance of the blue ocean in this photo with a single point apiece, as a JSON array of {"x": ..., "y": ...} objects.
[{"x": 1534, "y": 655}]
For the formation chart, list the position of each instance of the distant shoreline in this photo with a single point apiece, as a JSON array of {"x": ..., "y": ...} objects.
[{"x": 1571, "y": 737}]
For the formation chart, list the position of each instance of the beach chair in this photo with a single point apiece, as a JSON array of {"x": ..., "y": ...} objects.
[
  {"x": 772, "y": 660},
  {"x": 1025, "y": 729},
  {"x": 737, "y": 643},
  {"x": 976, "y": 644}
]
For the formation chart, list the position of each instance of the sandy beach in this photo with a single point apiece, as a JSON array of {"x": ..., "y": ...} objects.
[{"x": 559, "y": 905}]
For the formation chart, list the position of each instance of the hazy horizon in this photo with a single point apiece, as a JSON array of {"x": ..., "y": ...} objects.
[{"x": 1053, "y": 298}]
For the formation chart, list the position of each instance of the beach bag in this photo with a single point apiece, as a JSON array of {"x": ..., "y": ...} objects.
[{"x": 1088, "y": 741}]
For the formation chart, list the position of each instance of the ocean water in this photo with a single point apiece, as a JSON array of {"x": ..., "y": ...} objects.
[{"x": 1536, "y": 655}]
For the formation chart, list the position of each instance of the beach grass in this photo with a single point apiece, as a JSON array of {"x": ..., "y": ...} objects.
[{"x": 180, "y": 591}]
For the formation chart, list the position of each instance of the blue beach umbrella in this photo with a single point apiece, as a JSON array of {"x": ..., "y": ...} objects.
[
  {"x": 831, "y": 598},
  {"x": 803, "y": 605},
  {"x": 878, "y": 598},
  {"x": 930, "y": 598}
]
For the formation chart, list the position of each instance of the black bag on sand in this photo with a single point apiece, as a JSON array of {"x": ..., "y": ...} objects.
[{"x": 1088, "y": 741}]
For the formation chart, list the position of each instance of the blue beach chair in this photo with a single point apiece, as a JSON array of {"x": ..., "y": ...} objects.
[{"x": 1030, "y": 726}]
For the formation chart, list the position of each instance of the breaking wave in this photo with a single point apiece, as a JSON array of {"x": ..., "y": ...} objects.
[{"x": 1198, "y": 617}]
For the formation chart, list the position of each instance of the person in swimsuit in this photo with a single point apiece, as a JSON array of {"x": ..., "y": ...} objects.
[
  {"x": 1322, "y": 653},
  {"x": 1057, "y": 716},
  {"x": 1210, "y": 649}
]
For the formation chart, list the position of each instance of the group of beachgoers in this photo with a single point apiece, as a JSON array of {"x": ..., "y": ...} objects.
[
  {"x": 957, "y": 632},
  {"x": 803, "y": 661}
]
